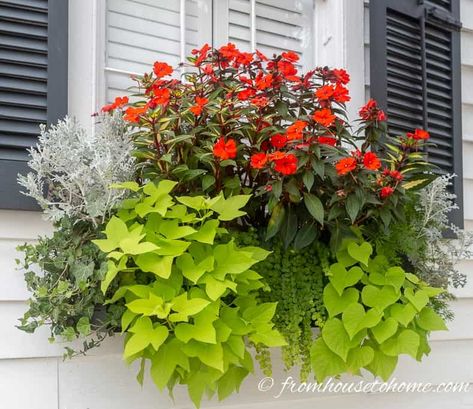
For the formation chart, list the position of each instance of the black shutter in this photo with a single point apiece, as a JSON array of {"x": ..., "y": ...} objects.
[
  {"x": 415, "y": 76},
  {"x": 33, "y": 84}
]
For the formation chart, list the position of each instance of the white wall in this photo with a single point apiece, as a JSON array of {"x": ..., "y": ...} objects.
[{"x": 32, "y": 372}]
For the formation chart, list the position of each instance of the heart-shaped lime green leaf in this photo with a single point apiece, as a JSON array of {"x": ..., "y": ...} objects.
[
  {"x": 406, "y": 342},
  {"x": 360, "y": 252},
  {"x": 382, "y": 365},
  {"x": 394, "y": 277},
  {"x": 341, "y": 278},
  {"x": 429, "y": 320},
  {"x": 336, "y": 337},
  {"x": 379, "y": 298},
  {"x": 335, "y": 303},
  {"x": 359, "y": 358},
  {"x": 325, "y": 362},
  {"x": 355, "y": 318},
  {"x": 402, "y": 313},
  {"x": 418, "y": 299},
  {"x": 385, "y": 329}
]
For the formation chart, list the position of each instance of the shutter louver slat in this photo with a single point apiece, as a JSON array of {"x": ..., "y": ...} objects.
[{"x": 24, "y": 73}]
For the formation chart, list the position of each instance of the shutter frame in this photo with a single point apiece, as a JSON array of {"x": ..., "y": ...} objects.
[
  {"x": 419, "y": 10},
  {"x": 56, "y": 101}
]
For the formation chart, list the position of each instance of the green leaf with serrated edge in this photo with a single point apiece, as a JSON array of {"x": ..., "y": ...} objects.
[
  {"x": 355, "y": 318},
  {"x": 382, "y": 365},
  {"x": 360, "y": 252},
  {"x": 403, "y": 313},
  {"x": 359, "y": 358},
  {"x": 385, "y": 329},
  {"x": 335, "y": 303},
  {"x": 325, "y": 363},
  {"x": 229, "y": 209},
  {"x": 156, "y": 264},
  {"x": 336, "y": 337},
  {"x": 429, "y": 320},
  {"x": 206, "y": 233},
  {"x": 341, "y": 278},
  {"x": 315, "y": 207},
  {"x": 165, "y": 361},
  {"x": 406, "y": 342},
  {"x": 275, "y": 221},
  {"x": 418, "y": 299},
  {"x": 379, "y": 298}
]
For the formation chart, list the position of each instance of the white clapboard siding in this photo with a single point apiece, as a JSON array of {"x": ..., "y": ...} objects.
[
  {"x": 140, "y": 32},
  {"x": 281, "y": 25},
  {"x": 29, "y": 384}
]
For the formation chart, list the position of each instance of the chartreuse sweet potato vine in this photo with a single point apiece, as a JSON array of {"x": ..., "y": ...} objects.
[
  {"x": 190, "y": 294},
  {"x": 376, "y": 312}
]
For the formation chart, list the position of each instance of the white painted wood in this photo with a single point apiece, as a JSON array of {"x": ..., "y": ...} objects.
[
  {"x": 29, "y": 384},
  {"x": 339, "y": 43},
  {"x": 22, "y": 225},
  {"x": 466, "y": 14},
  {"x": 16, "y": 288}
]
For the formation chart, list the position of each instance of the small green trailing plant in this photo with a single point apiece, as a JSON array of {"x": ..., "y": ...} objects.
[
  {"x": 376, "y": 312},
  {"x": 190, "y": 295},
  {"x": 65, "y": 296}
]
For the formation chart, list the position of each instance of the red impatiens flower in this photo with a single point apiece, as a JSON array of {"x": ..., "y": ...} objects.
[
  {"x": 340, "y": 94},
  {"x": 371, "y": 161},
  {"x": 276, "y": 155},
  {"x": 261, "y": 56},
  {"x": 395, "y": 174},
  {"x": 278, "y": 141},
  {"x": 327, "y": 140},
  {"x": 287, "y": 165},
  {"x": 118, "y": 103},
  {"x": 201, "y": 54},
  {"x": 244, "y": 59},
  {"x": 371, "y": 112},
  {"x": 258, "y": 160},
  {"x": 386, "y": 191},
  {"x": 200, "y": 102},
  {"x": 325, "y": 92},
  {"x": 263, "y": 81},
  {"x": 345, "y": 165},
  {"x": 341, "y": 76},
  {"x": 225, "y": 150},
  {"x": 295, "y": 130},
  {"x": 229, "y": 51},
  {"x": 290, "y": 56},
  {"x": 161, "y": 97},
  {"x": 132, "y": 114},
  {"x": 324, "y": 117},
  {"x": 161, "y": 69},
  {"x": 418, "y": 134},
  {"x": 246, "y": 94},
  {"x": 260, "y": 102},
  {"x": 287, "y": 69}
]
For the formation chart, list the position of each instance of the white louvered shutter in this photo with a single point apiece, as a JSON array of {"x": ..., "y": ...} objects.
[
  {"x": 140, "y": 32},
  {"x": 273, "y": 26}
]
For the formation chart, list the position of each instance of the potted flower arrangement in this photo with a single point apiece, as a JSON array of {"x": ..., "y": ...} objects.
[{"x": 253, "y": 213}]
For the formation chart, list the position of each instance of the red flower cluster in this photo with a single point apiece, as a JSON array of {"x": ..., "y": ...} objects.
[
  {"x": 418, "y": 134},
  {"x": 118, "y": 103},
  {"x": 200, "y": 103},
  {"x": 371, "y": 112},
  {"x": 225, "y": 149},
  {"x": 369, "y": 160}
]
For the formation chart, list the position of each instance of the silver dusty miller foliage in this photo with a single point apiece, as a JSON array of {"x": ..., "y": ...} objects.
[
  {"x": 438, "y": 266},
  {"x": 73, "y": 170}
]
